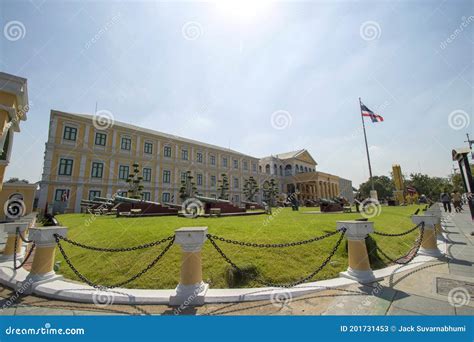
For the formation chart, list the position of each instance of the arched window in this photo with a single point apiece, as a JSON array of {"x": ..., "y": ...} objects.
[
  {"x": 305, "y": 169},
  {"x": 275, "y": 169},
  {"x": 281, "y": 170},
  {"x": 288, "y": 170},
  {"x": 267, "y": 168},
  {"x": 297, "y": 168}
]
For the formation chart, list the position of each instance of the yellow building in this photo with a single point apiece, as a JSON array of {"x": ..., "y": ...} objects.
[
  {"x": 84, "y": 159},
  {"x": 16, "y": 199},
  {"x": 13, "y": 109}
]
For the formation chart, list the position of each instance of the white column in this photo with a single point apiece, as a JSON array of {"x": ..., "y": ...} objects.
[
  {"x": 359, "y": 266},
  {"x": 191, "y": 289}
]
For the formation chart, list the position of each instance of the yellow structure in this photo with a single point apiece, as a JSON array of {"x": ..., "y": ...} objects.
[
  {"x": 399, "y": 186},
  {"x": 11, "y": 192},
  {"x": 13, "y": 109},
  {"x": 85, "y": 158}
]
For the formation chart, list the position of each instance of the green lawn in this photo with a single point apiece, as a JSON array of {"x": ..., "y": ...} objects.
[{"x": 276, "y": 265}]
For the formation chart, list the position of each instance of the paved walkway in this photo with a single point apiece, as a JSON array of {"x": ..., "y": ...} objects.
[{"x": 422, "y": 291}]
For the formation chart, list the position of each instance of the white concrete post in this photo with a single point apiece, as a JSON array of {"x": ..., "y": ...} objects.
[
  {"x": 10, "y": 230},
  {"x": 429, "y": 243},
  {"x": 359, "y": 266},
  {"x": 191, "y": 289},
  {"x": 43, "y": 260}
]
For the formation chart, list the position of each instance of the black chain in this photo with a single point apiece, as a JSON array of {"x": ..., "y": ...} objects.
[
  {"x": 301, "y": 281},
  {"x": 414, "y": 250},
  {"x": 126, "y": 249},
  {"x": 271, "y": 245},
  {"x": 129, "y": 280},
  {"x": 27, "y": 256},
  {"x": 399, "y": 234}
]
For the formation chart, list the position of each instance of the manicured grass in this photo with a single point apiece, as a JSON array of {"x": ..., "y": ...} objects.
[{"x": 276, "y": 265}]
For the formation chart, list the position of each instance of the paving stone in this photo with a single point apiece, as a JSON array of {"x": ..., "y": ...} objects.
[
  {"x": 465, "y": 311},
  {"x": 394, "y": 311},
  {"x": 39, "y": 311},
  {"x": 425, "y": 305},
  {"x": 8, "y": 311}
]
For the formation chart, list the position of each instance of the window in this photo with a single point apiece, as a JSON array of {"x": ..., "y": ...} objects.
[
  {"x": 165, "y": 197},
  {"x": 124, "y": 171},
  {"x": 70, "y": 133},
  {"x": 184, "y": 175},
  {"x": 199, "y": 179},
  {"x": 254, "y": 167},
  {"x": 236, "y": 183},
  {"x": 167, "y": 151},
  {"x": 100, "y": 139},
  {"x": 61, "y": 195},
  {"x": 236, "y": 164},
  {"x": 97, "y": 170},
  {"x": 122, "y": 193},
  {"x": 166, "y": 176},
  {"x": 146, "y": 174},
  {"x": 146, "y": 195},
  {"x": 245, "y": 165},
  {"x": 199, "y": 157},
  {"x": 224, "y": 161},
  {"x": 213, "y": 160},
  {"x": 213, "y": 181},
  {"x": 126, "y": 144},
  {"x": 93, "y": 194},
  {"x": 148, "y": 148},
  {"x": 236, "y": 198},
  {"x": 65, "y": 167},
  {"x": 184, "y": 154}
]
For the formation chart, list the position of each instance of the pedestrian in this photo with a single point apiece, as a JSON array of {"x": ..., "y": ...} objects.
[
  {"x": 446, "y": 200},
  {"x": 457, "y": 201}
]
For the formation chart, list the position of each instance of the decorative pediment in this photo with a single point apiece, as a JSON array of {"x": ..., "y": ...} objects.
[{"x": 305, "y": 157}]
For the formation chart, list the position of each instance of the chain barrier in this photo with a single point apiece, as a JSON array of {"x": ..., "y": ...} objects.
[
  {"x": 129, "y": 280},
  {"x": 288, "y": 285},
  {"x": 271, "y": 245},
  {"x": 114, "y": 250},
  {"x": 413, "y": 251},
  {"x": 27, "y": 256},
  {"x": 399, "y": 234}
]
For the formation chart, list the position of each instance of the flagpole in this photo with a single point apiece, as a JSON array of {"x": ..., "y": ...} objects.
[{"x": 366, "y": 145}]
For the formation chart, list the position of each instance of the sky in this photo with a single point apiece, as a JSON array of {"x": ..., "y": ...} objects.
[{"x": 261, "y": 77}]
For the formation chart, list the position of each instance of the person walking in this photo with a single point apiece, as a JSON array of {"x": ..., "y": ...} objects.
[
  {"x": 446, "y": 200},
  {"x": 457, "y": 201}
]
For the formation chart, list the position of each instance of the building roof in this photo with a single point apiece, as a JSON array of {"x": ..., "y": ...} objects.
[
  {"x": 298, "y": 154},
  {"x": 153, "y": 132},
  {"x": 288, "y": 155},
  {"x": 18, "y": 86}
]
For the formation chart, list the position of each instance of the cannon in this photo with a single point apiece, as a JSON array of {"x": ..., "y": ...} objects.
[
  {"x": 250, "y": 204},
  {"x": 141, "y": 207},
  {"x": 330, "y": 206},
  {"x": 225, "y": 206}
]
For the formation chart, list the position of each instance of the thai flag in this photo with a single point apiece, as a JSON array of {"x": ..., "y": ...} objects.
[{"x": 367, "y": 112}]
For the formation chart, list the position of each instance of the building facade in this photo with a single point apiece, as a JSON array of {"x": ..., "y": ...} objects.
[
  {"x": 16, "y": 199},
  {"x": 83, "y": 160}
]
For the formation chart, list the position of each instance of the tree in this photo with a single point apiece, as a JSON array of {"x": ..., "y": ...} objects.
[
  {"x": 383, "y": 184},
  {"x": 432, "y": 187},
  {"x": 223, "y": 187},
  {"x": 134, "y": 181},
  {"x": 188, "y": 188},
  {"x": 250, "y": 188},
  {"x": 270, "y": 191},
  {"x": 17, "y": 180}
]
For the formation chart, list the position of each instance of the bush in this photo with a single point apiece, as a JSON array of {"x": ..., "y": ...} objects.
[{"x": 235, "y": 278}]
